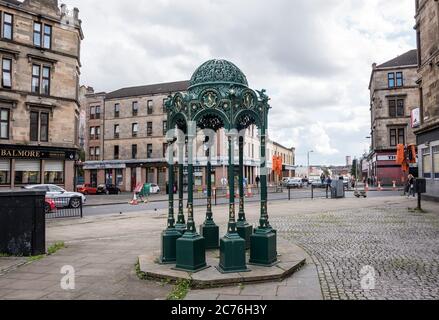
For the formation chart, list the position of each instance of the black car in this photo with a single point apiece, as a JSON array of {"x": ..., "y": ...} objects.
[{"x": 108, "y": 189}]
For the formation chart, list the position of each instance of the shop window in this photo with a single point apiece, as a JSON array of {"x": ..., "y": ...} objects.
[
  {"x": 119, "y": 177},
  {"x": 54, "y": 172},
  {"x": 109, "y": 176},
  {"x": 426, "y": 163},
  {"x": 94, "y": 178},
  {"x": 5, "y": 172},
  {"x": 436, "y": 162},
  {"x": 150, "y": 175},
  {"x": 4, "y": 124},
  {"x": 27, "y": 172}
]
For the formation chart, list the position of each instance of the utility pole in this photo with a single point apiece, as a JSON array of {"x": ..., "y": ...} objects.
[{"x": 309, "y": 169}]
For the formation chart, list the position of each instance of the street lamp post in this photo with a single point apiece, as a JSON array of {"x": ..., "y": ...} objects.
[{"x": 309, "y": 171}]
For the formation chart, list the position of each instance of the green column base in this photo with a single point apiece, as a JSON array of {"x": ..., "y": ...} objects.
[
  {"x": 191, "y": 253},
  {"x": 169, "y": 246},
  {"x": 245, "y": 231},
  {"x": 181, "y": 228},
  {"x": 232, "y": 254},
  {"x": 210, "y": 232},
  {"x": 263, "y": 251}
]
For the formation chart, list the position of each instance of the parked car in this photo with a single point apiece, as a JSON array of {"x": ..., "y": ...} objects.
[
  {"x": 155, "y": 188},
  {"x": 318, "y": 184},
  {"x": 87, "y": 189},
  {"x": 49, "y": 206},
  {"x": 108, "y": 189},
  {"x": 295, "y": 183},
  {"x": 284, "y": 182},
  {"x": 61, "y": 197}
]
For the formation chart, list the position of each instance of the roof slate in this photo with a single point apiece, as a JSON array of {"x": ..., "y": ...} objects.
[
  {"x": 161, "y": 88},
  {"x": 407, "y": 59}
]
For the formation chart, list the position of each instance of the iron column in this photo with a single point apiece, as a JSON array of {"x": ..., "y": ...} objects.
[
  {"x": 170, "y": 235},
  {"x": 181, "y": 223},
  {"x": 232, "y": 246},
  {"x": 244, "y": 228},
  {"x": 263, "y": 249},
  {"x": 209, "y": 230},
  {"x": 191, "y": 247}
]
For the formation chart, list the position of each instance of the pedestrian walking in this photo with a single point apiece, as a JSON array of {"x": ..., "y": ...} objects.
[
  {"x": 258, "y": 180},
  {"x": 410, "y": 186}
]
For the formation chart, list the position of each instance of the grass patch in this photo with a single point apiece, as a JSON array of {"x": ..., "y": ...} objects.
[
  {"x": 35, "y": 258},
  {"x": 55, "y": 248},
  {"x": 5, "y": 255},
  {"x": 180, "y": 290},
  {"x": 50, "y": 251}
]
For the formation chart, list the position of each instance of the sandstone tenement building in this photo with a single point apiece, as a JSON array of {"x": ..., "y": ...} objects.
[
  {"x": 393, "y": 97},
  {"x": 39, "y": 109},
  {"x": 427, "y": 29}
]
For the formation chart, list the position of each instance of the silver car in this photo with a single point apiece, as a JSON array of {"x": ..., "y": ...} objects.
[{"x": 62, "y": 198}]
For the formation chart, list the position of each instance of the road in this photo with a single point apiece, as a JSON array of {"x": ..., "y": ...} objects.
[{"x": 295, "y": 195}]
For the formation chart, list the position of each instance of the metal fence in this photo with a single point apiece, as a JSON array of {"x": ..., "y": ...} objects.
[{"x": 63, "y": 208}]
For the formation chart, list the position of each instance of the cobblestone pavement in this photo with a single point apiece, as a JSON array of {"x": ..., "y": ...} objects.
[{"x": 402, "y": 247}]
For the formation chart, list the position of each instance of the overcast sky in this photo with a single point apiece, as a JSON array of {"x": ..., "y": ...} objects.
[{"x": 314, "y": 57}]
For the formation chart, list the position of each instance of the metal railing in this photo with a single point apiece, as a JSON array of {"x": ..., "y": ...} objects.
[{"x": 63, "y": 208}]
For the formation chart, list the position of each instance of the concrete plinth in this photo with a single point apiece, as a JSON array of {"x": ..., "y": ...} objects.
[{"x": 291, "y": 259}]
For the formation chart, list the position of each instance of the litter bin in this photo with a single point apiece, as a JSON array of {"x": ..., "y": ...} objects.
[
  {"x": 22, "y": 223},
  {"x": 146, "y": 190},
  {"x": 337, "y": 189}
]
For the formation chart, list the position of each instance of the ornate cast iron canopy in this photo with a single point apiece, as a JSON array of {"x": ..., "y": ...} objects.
[{"x": 218, "y": 97}]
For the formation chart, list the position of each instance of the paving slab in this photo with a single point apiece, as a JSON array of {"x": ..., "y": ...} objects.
[{"x": 9, "y": 263}]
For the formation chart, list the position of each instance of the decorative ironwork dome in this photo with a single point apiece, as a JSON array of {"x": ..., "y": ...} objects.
[{"x": 220, "y": 72}]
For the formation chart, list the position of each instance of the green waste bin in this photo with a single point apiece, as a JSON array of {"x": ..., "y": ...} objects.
[{"x": 146, "y": 190}]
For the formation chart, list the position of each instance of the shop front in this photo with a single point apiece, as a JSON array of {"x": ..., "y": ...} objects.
[
  {"x": 386, "y": 170},
  {"x": 27, "y": 165}
]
